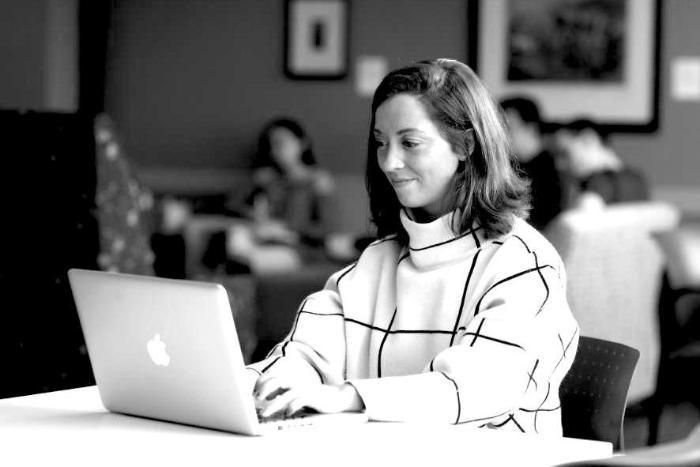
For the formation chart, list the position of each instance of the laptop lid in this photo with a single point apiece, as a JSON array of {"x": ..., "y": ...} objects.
[{"x": 164, "y": 349}]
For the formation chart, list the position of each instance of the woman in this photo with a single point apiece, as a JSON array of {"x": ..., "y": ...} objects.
[
  {"x": 458, "y": 312},
  {"x": 289, "y": 185},
  {"x": 281, "y": 214}
]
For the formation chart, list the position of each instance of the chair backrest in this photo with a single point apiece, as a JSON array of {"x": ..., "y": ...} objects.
[
  {"x": 614, "y": 268},
  {"x": 594, "y": 392}
]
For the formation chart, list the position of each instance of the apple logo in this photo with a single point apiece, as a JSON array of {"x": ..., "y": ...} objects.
[{"x": 156, "y": 350}]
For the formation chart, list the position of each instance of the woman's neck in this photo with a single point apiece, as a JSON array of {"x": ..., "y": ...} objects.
[{"x": 421, "y": 216}]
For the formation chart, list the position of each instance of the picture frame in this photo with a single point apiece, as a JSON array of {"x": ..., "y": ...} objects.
[
  {"x": 615, "y": 82},
  {"x": 316, "y": 39}
]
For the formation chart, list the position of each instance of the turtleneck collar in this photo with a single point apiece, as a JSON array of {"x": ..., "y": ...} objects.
[{"x": 433, "y": 243}]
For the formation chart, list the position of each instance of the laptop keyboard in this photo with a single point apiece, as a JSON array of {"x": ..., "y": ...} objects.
[
  {"x": 311, "y": 418},
  {"x": 282, "y": 421}
]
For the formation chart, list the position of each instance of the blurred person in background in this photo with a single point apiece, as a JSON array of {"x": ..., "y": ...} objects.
[
  {"x": 594, "y": 167},
  {"x": 289, "y": 186},
  {"x": 282, "y": 208},
  {"x": 535, "y": 159}
]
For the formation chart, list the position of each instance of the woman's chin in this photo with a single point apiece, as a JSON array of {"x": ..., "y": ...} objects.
[
  {"x": 408, "y": 205},
  {"x": 407, "y": 199}
]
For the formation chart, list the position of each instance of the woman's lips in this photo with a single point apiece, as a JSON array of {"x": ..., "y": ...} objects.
[{"x": 401, "y": 181}]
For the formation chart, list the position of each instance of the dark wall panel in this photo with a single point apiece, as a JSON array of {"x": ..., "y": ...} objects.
[{"x": 49, "y": 226}]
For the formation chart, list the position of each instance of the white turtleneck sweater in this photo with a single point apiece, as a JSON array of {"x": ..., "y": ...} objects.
[{"x": 456, "y": 329}]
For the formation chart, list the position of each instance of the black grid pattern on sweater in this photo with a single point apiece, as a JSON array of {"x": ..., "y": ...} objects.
[
  {"x": 471, "y": 232},
  {"x": 531, "y": 376},
  {"x": 476, "y": 335}
]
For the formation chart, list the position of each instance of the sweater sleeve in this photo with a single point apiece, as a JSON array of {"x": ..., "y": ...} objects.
[
  {"x": 521, "y": 337},
  {"x": 314, "y": 350}
]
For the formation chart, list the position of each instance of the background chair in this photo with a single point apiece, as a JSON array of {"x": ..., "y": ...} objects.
[
  {"x": 679, "y": 319},
  {"x": 594, "y": 392},
  {"x": 683, "y": 453},
  {"x": 278, "y": 296},
  {"x": 614, "y": 270}
]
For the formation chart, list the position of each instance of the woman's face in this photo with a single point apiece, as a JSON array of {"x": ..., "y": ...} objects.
[
  {"x": 285, "y": 147},
  {"x": 418, "y": 162}
]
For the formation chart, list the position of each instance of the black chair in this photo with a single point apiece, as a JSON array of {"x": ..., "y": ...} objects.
[
  {"x": 680, "y": 348},
  {"x": 679, "y": 321},
  {"x": 683, "y": 453},
  {"x": 594, "y": 392}
]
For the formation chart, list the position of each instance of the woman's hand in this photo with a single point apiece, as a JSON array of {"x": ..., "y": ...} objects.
[
  {"x": 268, "y": 388},
  {"x": 323, "y": 398}
]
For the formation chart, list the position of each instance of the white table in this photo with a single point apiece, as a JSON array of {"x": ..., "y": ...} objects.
[{"x": 73, "y": 428}]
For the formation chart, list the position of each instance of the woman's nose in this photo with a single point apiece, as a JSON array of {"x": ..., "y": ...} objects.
[{"x": 393, "y": 159}]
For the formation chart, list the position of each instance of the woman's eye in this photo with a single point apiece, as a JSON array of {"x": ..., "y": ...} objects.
[
  {"x": 411, "y": 144},
  {"x": 380, "y": 144}
]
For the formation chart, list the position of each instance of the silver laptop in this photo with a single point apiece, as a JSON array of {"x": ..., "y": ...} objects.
[{"x": 167, "y": 349}]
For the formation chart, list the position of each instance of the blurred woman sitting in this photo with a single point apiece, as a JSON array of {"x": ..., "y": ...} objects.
[{"x": 282, "y": 212}]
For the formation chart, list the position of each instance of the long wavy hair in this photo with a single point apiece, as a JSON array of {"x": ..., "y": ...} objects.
[{"x": 487, "y": 188}]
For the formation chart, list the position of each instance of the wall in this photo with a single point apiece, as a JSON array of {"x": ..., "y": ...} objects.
[
  {"x": 22, "y": 39},
  {"x": 61, "y": 57},
  {"x": 191, "y": 83},
  {"x": 38, "y": 50},
  {"x": 671, "y": 156}
]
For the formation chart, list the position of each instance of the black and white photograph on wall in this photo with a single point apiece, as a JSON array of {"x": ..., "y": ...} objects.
[
  {"x": 592, "y": 57},
  {"x": 573, "y": 40},
  {"x": 316, "y": 39}
]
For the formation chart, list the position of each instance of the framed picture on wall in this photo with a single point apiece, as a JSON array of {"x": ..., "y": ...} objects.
[
  {"x": 316, "y": 39},
  {"x": 576, "y": 58}
]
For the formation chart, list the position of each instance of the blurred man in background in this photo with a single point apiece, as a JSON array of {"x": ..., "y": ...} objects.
[{"x": 535, "y": 159}]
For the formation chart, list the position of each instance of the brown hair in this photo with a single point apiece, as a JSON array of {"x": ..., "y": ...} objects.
[{"x": 487, "y": 188}]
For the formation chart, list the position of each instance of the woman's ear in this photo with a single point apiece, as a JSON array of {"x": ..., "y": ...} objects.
[{"x": 470, "y": 143}]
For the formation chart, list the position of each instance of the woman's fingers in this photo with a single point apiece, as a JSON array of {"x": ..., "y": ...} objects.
[
  {"x": 266, "y": 389},
  {"x": 319, "y": 397},
  {"x": 300, "y": 402},
  {"x": 293, "y": 401},
  {"x": 323, "y": 398},
  {"x": 278, "y": 404}
]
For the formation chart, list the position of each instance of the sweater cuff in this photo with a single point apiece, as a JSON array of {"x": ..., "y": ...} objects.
[{"x": 427, "y": 397}]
